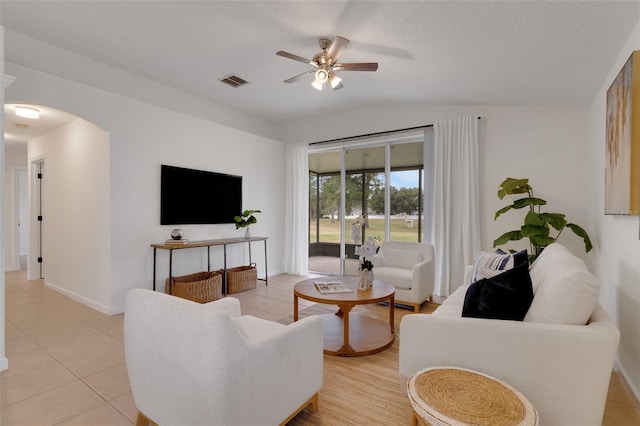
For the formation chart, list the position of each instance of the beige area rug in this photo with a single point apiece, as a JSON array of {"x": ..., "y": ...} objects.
[{"x": 360, "y": 390}]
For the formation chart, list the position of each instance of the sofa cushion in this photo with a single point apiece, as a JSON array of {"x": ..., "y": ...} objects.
[
  {"x": 565, "y": 291},
  {"x": 398, "y": 277},
  {"x": 487, "y": 264},
  {"x": 406, "y": 259},
  {"x": 506, "y": 296},
  {"x": 452, "y": 305}
]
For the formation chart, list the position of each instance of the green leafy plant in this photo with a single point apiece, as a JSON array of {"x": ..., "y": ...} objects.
[
  {"x": 246, "y": 218},
  {"x": 537, "y": 226}
]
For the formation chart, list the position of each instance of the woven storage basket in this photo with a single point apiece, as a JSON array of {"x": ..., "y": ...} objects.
[
  {"x": 241, "y": 278},
  {"x": 201, "y": 287}
]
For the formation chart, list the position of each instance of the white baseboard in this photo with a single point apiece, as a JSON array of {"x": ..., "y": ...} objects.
[
  {"x": 627, "y": 382},
  {"x": 4, "y": 363},
  {"x": 117, "y": 310},
  {"x": 84, "y": 300}
]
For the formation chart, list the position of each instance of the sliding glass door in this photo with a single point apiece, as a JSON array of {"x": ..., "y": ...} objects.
[{"x": 356, "y": 192}]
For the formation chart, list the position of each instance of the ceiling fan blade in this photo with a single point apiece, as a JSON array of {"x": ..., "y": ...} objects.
[
  {"x": 336, "y": 48},
  {"x": 299, "y": 76},
  {"x": 357, "y": 66},
  {"x": 295, "y": 57}
]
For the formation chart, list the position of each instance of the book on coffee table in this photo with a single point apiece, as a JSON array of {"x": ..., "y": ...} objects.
[{"x": 328, "y": 287}]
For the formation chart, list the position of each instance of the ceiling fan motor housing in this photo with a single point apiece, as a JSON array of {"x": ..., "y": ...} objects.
[{"x": 324, "y": 43}]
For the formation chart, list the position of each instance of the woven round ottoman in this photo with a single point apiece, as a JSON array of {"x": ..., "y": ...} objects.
[{"x": 456, "y": 396}]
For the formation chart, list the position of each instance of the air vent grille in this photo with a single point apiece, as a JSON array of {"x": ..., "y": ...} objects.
[{"x": 234, "y": 81}]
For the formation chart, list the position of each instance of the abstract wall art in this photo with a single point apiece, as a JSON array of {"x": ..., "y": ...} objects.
[{"x": 622, "y": 170}]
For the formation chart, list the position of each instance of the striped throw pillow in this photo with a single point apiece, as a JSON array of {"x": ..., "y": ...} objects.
[{"x": 489, "y": 264}]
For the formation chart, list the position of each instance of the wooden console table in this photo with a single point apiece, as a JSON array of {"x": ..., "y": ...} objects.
[{"x": 224, "y": 242}]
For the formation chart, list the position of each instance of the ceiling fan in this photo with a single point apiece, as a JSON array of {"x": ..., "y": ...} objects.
[{"x": 325, "y": 64}]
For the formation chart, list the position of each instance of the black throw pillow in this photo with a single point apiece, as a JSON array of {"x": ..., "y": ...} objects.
[{"x": 506, "y": 296}]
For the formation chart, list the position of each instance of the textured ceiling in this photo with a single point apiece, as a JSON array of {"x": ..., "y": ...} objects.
[{"x": 429, "y": 52}]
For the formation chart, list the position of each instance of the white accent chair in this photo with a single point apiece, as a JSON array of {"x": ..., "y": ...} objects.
[
  {"x": 409, "y": 267},
  {"x": 197, "y": 364}
]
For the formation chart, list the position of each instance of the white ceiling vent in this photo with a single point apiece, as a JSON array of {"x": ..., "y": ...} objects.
[{"x": 234, "y": 81}]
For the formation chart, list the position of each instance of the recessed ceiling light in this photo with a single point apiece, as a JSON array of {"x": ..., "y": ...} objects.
[{"x": 27, "y": 112}]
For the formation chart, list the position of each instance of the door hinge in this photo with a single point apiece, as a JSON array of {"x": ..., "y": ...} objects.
[
  {"x": 39, "y": 218},
  {"x": 39, "y": 260},
  {"x": 39, "y": 175}
]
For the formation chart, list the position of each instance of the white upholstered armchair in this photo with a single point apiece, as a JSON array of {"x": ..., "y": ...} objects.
[
  {"x": 409, "y": 267},
  {"x": 193, "y": 364}
]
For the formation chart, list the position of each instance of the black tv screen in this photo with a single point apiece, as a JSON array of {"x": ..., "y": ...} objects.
[{"x": 190, "y": 196}]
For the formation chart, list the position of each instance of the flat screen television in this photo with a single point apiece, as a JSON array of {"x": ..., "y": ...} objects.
[{"x": 189, "y": 196}]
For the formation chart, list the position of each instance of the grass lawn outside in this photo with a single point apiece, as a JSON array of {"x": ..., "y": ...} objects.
[{"x": 400, "y": 230}]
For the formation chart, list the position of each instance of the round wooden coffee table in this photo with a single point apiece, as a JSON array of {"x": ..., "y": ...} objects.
[
  {"x": 346, "y": 333},
  {"x": 457, "y": 396}
]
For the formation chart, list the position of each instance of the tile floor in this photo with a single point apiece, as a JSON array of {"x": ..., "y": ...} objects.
[{"x": 67, "y": 363}]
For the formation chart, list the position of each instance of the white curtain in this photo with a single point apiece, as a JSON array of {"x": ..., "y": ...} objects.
[
  {"x": 456, "y": 215},
  {"x": 295, "y": 253}
]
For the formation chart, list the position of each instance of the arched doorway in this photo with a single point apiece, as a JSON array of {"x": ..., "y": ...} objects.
[
  {"x": 67, "y": 159},
  {"x": 22, "y": 251}
]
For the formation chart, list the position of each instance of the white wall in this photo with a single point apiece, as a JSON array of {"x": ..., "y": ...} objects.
[
  {"x": 4, "y": 363},
  {"x": 15, "y": 158},
  {"x": 544, "y": 144},
  {"x": 76, "y": 237},
  {"x": 618, "y": 237},
  {"x": 143, "y": 136},
  {"x": 153, "y": 136}
]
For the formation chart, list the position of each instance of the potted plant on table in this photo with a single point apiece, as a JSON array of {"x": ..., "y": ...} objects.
[
  {"x": 537, "y": 225},
  {"x": 245, "y": 220}
]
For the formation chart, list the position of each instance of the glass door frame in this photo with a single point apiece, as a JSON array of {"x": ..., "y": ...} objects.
[{"x": 387, "y": 185}]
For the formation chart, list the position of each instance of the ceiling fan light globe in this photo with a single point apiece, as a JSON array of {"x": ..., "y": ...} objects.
[
  {"x": 316, "y": 85},
  {"x": 322, "y": 76},
  {"x": 334, "y": 81}
]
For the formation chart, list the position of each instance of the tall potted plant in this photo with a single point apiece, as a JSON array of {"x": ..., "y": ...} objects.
[
  {"x": 537, "y": 226},
  {"x": 245, "y": 220}
]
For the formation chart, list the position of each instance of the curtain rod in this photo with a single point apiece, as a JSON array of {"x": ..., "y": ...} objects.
[{"x": 368, "y": 135}]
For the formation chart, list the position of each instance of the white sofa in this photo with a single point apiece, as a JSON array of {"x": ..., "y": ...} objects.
[
  {"x": 409, "y": 268},
  {"x": 562, "y": 368},
  {"x": 193, "y": 364}
]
